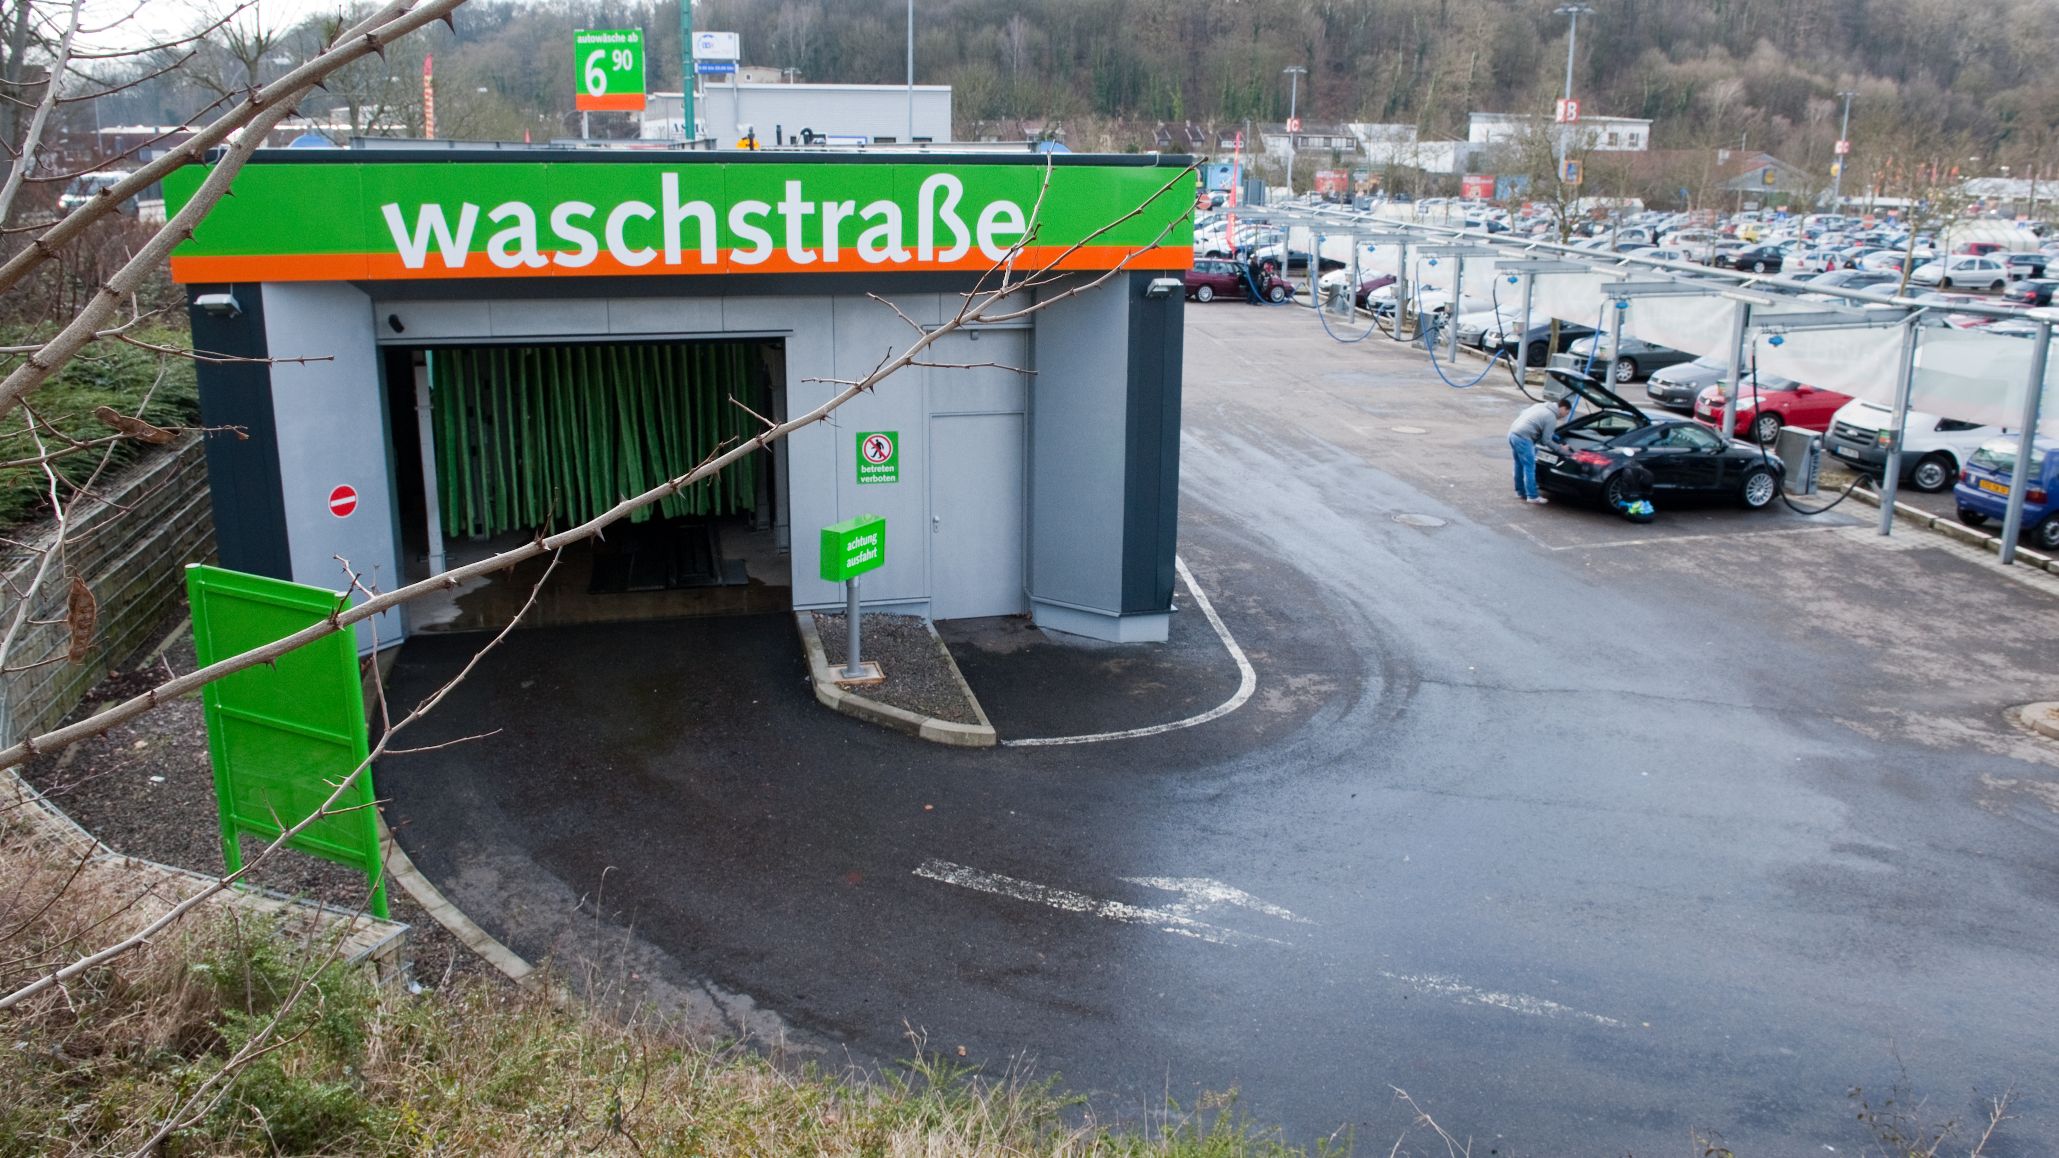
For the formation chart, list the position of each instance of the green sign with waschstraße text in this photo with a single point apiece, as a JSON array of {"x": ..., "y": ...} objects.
[{"x": 853, "y": 547}]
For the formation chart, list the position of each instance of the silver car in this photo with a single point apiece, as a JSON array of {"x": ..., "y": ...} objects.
[{"x": 1676, "y": 387}]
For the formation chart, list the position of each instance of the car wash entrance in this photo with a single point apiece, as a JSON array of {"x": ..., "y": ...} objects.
[
  {"x": 500, "y": 443},
  {"x": 438, "y": 354}
]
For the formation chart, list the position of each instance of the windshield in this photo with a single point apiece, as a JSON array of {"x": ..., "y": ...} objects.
[{"x": 2000, "y": 457}]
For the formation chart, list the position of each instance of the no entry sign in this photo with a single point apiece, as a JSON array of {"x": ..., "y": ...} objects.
[
  {"x": 879, "y": 456},
  {"x": 342, "y": 501}
]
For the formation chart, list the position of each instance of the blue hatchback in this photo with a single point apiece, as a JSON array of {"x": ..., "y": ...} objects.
[{"x": 1983, "y": 490}]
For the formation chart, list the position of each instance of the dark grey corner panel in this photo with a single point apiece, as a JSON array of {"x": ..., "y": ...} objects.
[{"x": 242, "y": 473}]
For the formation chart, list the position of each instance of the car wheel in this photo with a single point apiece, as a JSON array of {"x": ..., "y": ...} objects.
[
  {"x": 1758, "y": 489},
  {"x": 1995, "y": 288},
  {"x": 1758, "y": 267},
  {"x": 1972, "y": 518},
  {"x": 1944, "y": 283},
  {"x": 1933, "y": 474},
  {"x": 1625, "y": 370},
  {"x": 1766, "y": 428},
  {"x": 1538, "y": 354},
  {"x": 1276, "y": 293},
  {"x": 1613, "y": 494},
  {"x": 2045, "y": 536},
  {"x": 1204, "y": 293}
]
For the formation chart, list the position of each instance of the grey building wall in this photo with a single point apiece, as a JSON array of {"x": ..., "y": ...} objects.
[
  {"x": 330, "y": 415},
  {"x": 1099, "y": 492},
  {"x": 1104, "y": 462}
]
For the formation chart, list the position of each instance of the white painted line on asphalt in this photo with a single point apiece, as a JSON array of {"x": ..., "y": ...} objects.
[
  {"x": 1247, "y": 683},
  {"x": 1204, "y": 893},
  {"x": 1448, "y": 986},
  {"x": 1168, "y": 920}
]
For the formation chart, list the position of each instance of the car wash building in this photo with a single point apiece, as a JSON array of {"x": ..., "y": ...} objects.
[{"x": 435, "y": 355}]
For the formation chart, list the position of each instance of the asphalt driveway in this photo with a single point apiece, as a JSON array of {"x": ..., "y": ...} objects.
[{"x": 1585, "y": 834}]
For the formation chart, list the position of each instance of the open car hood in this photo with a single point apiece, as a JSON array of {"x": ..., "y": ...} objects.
[{"x": 1595, "y": 394}]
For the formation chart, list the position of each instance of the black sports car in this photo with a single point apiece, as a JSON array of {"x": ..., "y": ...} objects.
[{"x": 1685, "y": 459}]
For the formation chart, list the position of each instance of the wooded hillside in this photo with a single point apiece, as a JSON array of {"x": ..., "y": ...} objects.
[{"x": 1980, "y": 75}]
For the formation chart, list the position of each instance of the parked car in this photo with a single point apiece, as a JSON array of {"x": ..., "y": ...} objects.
[
  {"x": 1763, "y": 410},
  {"x": 1637, "y": 358},
  {"x": 2023, "y": 265},
  {"x": 1811, "y": 261},
  {"x": 1333, "y": 283},
  {"x": 1685, "y": 460},
  {"x": 1676, "y": 387},
  {"x": 1214, "y": 277},
  {"x": 1756, "y": 258},
  {"x": 1535, "y": 340},
  {"x": 2035, "y": 291},
  {"x": 1966, "y": 271},
  {"x": 1933, "y": 447},
  {"x": 1983, "y": 490}
]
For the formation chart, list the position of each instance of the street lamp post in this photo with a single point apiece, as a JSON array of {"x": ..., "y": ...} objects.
[
  {"x": 1573, "y": 12},
  {"x": 911, "y": 71},
  {"x": 1294, "y": 73},
  {"x": 1844, "y": 132}
]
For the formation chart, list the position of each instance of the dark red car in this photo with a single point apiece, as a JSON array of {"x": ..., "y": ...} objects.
[
  {"x": 1214, "y": 277},
  {"x": 1764, "y": 411}
]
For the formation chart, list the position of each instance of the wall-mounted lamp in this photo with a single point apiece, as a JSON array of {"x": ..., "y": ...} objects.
[
  {"x": 1165, "y": 287},
  {"x": 393, "y": 320},
  {"x": 220, "y": 305}
]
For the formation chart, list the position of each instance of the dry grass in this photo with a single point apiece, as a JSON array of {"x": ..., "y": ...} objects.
[{"x": 354, "y": 1068}]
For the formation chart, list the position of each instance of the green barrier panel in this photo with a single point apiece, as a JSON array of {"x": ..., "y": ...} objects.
[
  {"x": 526, "y": 435},
  {"x": 283, "y": 735}
]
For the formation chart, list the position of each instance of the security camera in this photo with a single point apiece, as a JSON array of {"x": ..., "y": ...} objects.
[
  {"x": 1164, "y": 287},
  {"x": 220, "y": 305}
]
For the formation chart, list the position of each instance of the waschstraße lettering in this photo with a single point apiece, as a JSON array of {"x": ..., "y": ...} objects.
[{"x": 687, "y": 229}]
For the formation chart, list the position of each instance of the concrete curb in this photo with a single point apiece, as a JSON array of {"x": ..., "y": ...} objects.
[
  {"x": 1952, "y": 528},
  {"x": 399, "y": 868},
  {"x": 836, "y": 697},
  {"x": 2042, "y": 718}
]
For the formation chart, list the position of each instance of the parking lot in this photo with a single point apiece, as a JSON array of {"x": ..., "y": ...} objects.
[{"x": 1585, "y": 833}]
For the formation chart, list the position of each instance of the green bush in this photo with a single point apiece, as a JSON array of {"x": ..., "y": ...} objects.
[{"x": 158, "y": 388}]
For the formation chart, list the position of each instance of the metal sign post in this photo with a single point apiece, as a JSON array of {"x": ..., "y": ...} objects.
[
  {"x": 850, "y": 549},
  {"x": 2020, "y": 477},
  {"x": 1905, "y": 381}
]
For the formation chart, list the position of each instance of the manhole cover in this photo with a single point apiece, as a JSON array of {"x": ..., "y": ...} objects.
[
  {"x": 1410, "y": 429},
  {"x": 1419, "y": 520}
]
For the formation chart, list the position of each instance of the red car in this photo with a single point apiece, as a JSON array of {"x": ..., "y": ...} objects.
[
  {"x": 1216, "y": 277},
  {"x": 1765, "y": 410}
]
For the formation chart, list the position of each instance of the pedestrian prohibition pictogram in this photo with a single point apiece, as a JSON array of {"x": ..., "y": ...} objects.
[
  {"x": 879, "y": 456},
  {"x": 343, "y": 500}
]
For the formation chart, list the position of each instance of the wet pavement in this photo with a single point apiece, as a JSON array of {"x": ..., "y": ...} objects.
[
  {"x": 1586, "y": 834},
  {"x": 1040, "y": 684}
]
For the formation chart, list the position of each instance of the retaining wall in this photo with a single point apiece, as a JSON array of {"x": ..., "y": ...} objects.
[{"x": 131, "y": 545}]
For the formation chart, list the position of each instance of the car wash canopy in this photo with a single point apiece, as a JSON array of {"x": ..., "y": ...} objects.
[{"x": 338, "y": 219}]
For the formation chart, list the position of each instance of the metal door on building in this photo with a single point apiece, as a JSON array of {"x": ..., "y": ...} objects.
[
  {"x": 976, "y": 505},
  {"x": 977, "y": 476}
]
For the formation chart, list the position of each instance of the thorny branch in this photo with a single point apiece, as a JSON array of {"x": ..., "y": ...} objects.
[{"x": 327, "y": 808}]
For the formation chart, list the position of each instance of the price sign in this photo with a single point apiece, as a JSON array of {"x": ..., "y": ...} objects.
[{"x": 608, "y": 70}]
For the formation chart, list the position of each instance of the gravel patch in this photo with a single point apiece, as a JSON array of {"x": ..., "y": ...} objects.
[
  {"x": 920, "y": 676},
  {"x": 146, "y": 788}
]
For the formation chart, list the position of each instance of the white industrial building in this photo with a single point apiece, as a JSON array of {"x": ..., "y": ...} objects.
[
  {"x": 1595, "y": 133},
  {"x": 838, "y": 114}
]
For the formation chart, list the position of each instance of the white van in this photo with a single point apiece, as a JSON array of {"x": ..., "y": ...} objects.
[{"x": 1933, "y": 447}]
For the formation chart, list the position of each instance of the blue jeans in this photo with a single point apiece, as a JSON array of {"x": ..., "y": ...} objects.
[{"x": 1526, "y": 466}]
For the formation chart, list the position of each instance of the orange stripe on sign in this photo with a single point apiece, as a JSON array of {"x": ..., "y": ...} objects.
[
  {"x": 389, "y": 267},
  {"x": 617, "y": 102},
  {"x": 270, "y": 267}
]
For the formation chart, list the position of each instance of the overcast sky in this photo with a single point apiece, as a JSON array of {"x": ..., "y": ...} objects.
[{"x": 154, "y": 21}]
